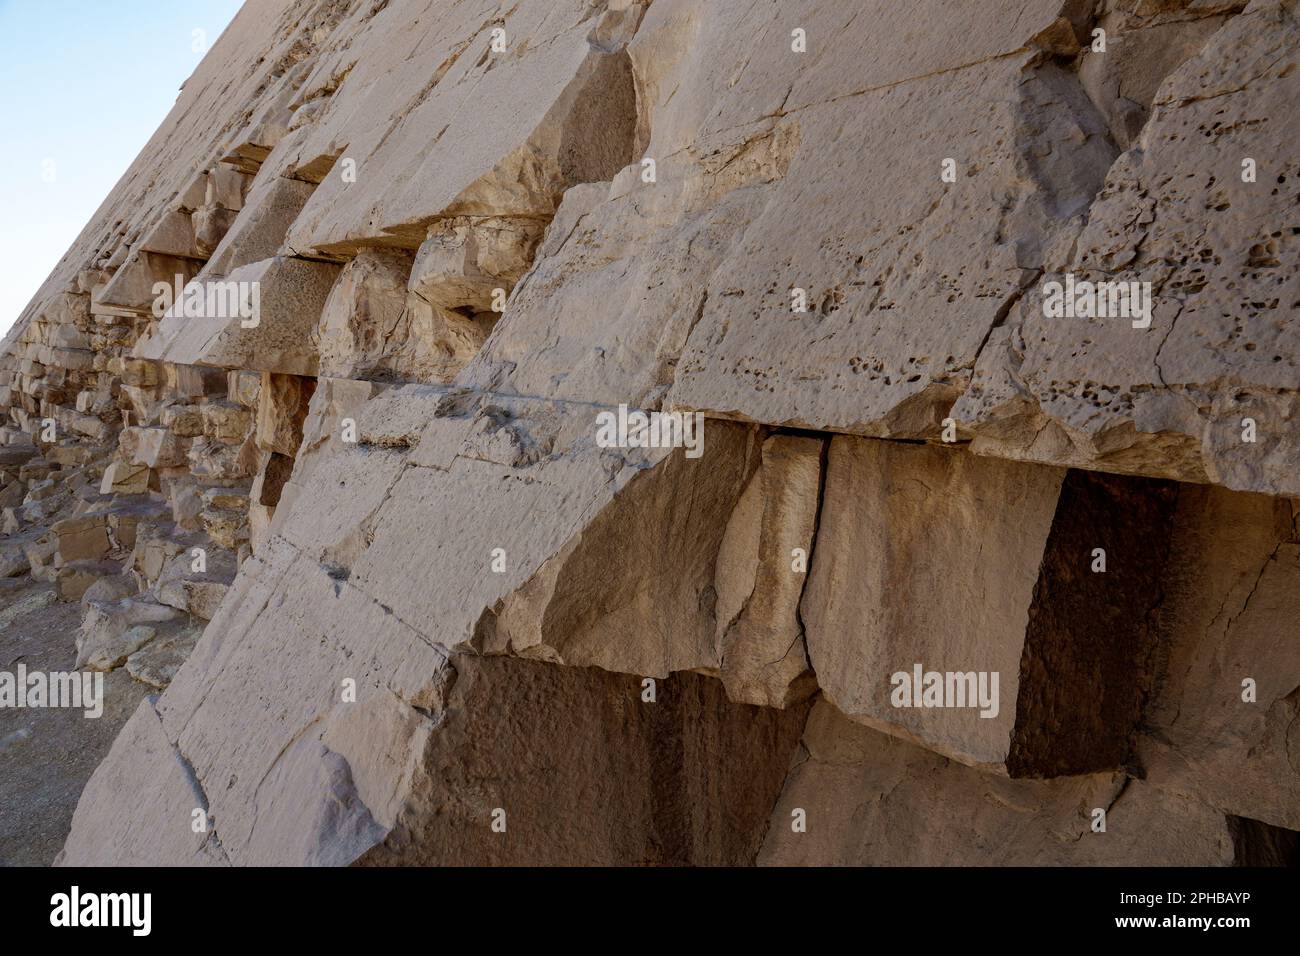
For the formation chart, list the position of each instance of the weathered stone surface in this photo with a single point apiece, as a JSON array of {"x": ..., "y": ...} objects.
[
  {"x": 1177, "y": 213},
  {"x": 112, "y": 632},
  {"x": 686, "y": 780},
  {"x": 226, "y": 421},
  {"x": 476, "y": 231},
  {"x": 364, "y": 321},
  {"x": 258, "y": 233},
  {"x": 162, "y": 782},
  {"x": 919, "y": 571},
  {"x": 281, "y": 408},
  {"x": 291, "y": 294},
  {"x": 874, "y": 800},
  {"x": 158, "y": 660},
  {"x": 123, "y": 478},
  {"x": 1230, "y": 616},
  {"x": 762, "y": 567},
  {"x": 81, "y": 538},
  {"x": 153, "y": 447}
]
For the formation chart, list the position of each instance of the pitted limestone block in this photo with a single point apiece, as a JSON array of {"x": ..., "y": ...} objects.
[
  {"x": 1140, "y": 54},
  {"x": 258, "y": 232},
  {"x": 937, "y": 574},
  {"x": 1211, "y": 240},
  {"x": 872, "y": 800},
  {"x": 287, "y": 296},
  {"x": 874, "y": 349}
]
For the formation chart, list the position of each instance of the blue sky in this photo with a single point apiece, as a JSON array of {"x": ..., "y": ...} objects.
[{"x": 83, "y": 85}]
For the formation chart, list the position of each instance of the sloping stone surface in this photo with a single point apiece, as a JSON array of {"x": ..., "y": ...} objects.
[{"x": 437, "y": 589}]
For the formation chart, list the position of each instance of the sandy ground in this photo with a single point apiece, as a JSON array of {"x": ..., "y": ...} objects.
[{"x": 48, "y": 754}]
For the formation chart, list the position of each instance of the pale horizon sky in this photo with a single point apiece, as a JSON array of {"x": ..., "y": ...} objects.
[{"x": 83, "y": 85}]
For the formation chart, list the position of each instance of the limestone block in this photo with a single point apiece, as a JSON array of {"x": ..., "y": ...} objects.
[
  {"x": 172, "y": 235},
  {"x": 1221, "y": 725},
  {"x": 153, "y": 447},
  {"x": 259, "y": 231},
  {"x": 122, "y": 478},
  {"x": 242, "y": 387},
  {"x": 81, "y": 538},
  {"x": 225, "y": 188},
  {"x": 160, "y": 783},
  {"x": 157, "y": 662},
  {"x": 226, "y": 421},
  {"x": 264, "y": 320},
  {"x": 108, "y": 632},
  {"x": 131, "y": 290},
  {"x": 183, "y": 421},
  {"x": 875, "y": 800},
  {"x": 363, "y": 319},
  {"x": 761, "y": 569},
  {"x": 281, "y": 408},
  {"x": 919, "y": 572}
]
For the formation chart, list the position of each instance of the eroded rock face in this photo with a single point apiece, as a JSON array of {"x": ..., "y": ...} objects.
[
  {"x": 650, "y": 430},
  {"x": 596, "y": 777},
  {"x": 868, "y": 799}
]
